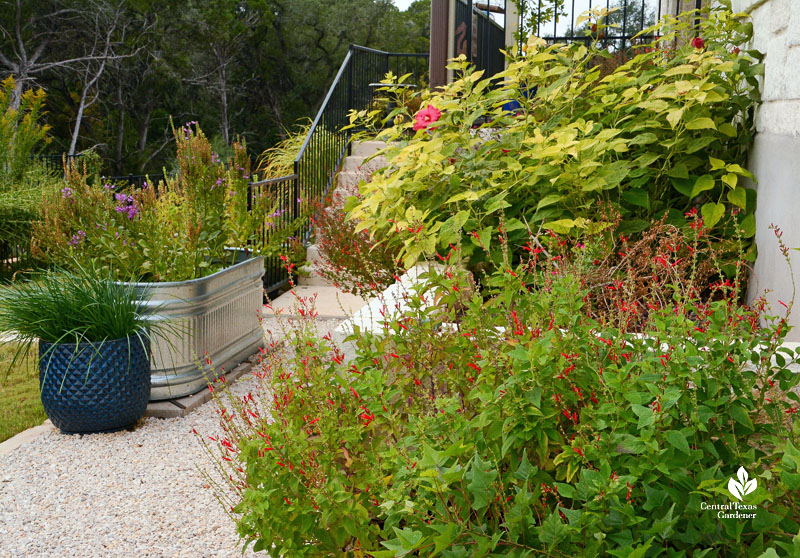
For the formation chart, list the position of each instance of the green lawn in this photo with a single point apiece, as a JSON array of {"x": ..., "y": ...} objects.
[{"x": 20, "y": 407}]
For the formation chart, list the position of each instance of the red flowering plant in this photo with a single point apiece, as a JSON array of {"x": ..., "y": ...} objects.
[
  {"x": 521, "y": 424},
  {"x": 352, "y": 260}
]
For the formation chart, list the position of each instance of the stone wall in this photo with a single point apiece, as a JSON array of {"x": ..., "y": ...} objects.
[{"x": 775, "y": 159}]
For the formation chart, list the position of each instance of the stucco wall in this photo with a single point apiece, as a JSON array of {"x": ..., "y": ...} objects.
[{"x": 775, "y": 158}]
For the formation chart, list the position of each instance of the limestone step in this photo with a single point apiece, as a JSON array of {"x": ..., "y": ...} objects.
[
  {"x": 352, "y": 163},
  {"x": 348, "y": 179},
  {"x": 367, "y": 148},
  {"x": 328, "y": 302},
  {"x": 310, "y": 277},
  {"x": 362, "y": 164},
  {"x": 313, "y": 255}
]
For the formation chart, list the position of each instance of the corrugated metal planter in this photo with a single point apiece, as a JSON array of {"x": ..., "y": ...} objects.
[{"x": 217, "y": 315}]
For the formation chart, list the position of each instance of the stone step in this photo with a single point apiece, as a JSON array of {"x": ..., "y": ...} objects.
[
  {"x": 361, "y": 164},
  {"x": 352, "y": 163},
  {"x": 312, "y": 254},
  {"x": 348, "y": 179},
  {"x": 367, "y": 148},
  {"x": 310, "y": 277},
  {"x": 329, "y": 302}
]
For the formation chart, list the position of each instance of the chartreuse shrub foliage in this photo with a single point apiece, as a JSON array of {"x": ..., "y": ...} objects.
[
  {"x": 667, "y": 130},
  {"x": 21, "y": 177},
  {"x": 20, "y": 130},
  {"x": 512, "y": 423}
]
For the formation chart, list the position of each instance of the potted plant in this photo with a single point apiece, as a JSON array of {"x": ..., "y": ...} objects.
[
  {"x": 93, "y": 338},
  {"x": 172, "y": 241}
]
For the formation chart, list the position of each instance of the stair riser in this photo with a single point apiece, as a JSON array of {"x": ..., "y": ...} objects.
[
  {"x": 367, "y": 148},
  {"x": 358, "y": 164}
]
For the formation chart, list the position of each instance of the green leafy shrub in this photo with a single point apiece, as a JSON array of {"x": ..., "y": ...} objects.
[
  {"x": 663, "y": 132},
  {"x": 514, "y": 423},
  {"x": 176, "y": 231},
  {"x": 21, "y": 177},
  {"x": 20, "y": 130}
]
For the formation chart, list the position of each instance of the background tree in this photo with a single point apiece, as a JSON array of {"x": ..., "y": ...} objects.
[{"x": 115, "y": 71}]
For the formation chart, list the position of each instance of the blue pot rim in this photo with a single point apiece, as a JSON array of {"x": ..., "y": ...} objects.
[{"x": 98, "y": 344}]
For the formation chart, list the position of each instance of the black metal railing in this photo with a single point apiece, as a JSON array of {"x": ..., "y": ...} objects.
[
  {"x": 479, "y": 37},
  {"x": 620, "y": 26},
  {"x": 276, "y": 199},
  {"x": 299, "y": 196},
  {"x": 55, "y": 163}
]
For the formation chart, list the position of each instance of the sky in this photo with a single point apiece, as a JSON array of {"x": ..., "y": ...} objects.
[{"x": 402, "y": 4}]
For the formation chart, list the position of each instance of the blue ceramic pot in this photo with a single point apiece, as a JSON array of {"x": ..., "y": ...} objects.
[{"x": 94, "y": 387}]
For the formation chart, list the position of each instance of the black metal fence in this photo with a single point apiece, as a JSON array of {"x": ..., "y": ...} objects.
[
  {"x": 479, "y": 37},
  {"x": 618, "y": 28},
  {"x": 15, "y": 255},
  {"x": 55, "y": 163}
]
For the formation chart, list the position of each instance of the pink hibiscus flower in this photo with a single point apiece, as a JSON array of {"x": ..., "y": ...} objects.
[
  {"x": 697, "y": 42},
  {"x": 426, "y": 117}
]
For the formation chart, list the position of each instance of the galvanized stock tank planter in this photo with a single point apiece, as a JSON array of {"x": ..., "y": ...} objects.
[{"x": 215, "y": 315}]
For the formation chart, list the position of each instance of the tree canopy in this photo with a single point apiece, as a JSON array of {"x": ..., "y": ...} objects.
[{"x": 115, "y": 71}]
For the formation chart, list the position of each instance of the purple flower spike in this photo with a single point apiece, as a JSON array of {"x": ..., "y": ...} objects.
[{"x": 77, "y": 238}]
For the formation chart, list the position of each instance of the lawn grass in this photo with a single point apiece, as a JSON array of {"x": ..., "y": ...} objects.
[{"x": 20, "y": 406}]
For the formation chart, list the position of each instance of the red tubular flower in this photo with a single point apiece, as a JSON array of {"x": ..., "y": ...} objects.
[
  {"x": 697, "y": 42},
  {"x": 426, "y": 117}
]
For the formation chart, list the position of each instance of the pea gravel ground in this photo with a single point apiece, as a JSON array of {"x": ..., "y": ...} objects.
[{"x": 132, "y": 494}]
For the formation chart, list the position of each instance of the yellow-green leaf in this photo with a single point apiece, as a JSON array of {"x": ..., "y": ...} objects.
[
  {"x": 712, "y": 213},
  {"x": 678, "y": 70},
  {"x": 705, "y": 182},
  {"x": 562, "y": 226},
  {"x": 730, "y": 179},
  {"x": 738, "y": 197},
  {"x": 716, "y": 164},
  {"x": 674, "y": 117},
  {"x": 549, "y": 199},
  {"x": 733, "y": 167},
  {"x": 701, "y": 123}
]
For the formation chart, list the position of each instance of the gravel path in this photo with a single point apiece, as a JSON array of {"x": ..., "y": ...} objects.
[{"x": 132, "y": 494}]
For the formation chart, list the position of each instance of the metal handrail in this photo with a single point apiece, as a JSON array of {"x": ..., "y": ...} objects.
[
  {"x": 271, "y": 181},
  {"x": 326, "y": 144},
  {"x": 324, "y": 105}
]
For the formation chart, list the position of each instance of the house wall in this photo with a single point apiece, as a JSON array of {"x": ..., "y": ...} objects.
[{"x": 775, "y": 158}]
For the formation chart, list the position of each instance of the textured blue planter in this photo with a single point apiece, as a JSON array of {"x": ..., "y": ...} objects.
[{"x": 89, "y": 387}]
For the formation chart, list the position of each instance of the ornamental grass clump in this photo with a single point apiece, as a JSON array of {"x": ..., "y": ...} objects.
[
  {"x": 661, "y": 133},
  {"x": 177, "y": 230},
  {"x": 520, "y": 421},
  {"x": 81, "y": 306}
]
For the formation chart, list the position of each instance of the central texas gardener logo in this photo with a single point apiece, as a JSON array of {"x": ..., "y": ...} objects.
[{"x": 739, "y": 489}]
